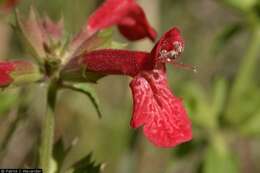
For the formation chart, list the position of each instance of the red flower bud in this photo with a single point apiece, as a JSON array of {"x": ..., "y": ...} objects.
[
  {"x": 5, "y": 69},
  {"x": 127, "y": 14},
  {"x": 18, "y": 72}
]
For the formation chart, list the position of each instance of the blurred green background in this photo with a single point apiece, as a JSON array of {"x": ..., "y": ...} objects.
[{"x": 222, "y": 39}]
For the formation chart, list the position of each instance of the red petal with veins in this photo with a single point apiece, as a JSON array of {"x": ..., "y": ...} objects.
[
  {"x": 127, "y": 14},
  {"x": 5, "y": 69},
  {"x": 162, "y": 114}
]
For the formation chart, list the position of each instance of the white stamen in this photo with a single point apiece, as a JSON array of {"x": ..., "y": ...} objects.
[
  {"x": 173, "y": 54},
  {"x": 163, "y": 52},
  {"x": 177, "y": 45}
]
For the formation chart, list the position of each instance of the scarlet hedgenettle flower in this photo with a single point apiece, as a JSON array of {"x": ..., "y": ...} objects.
[
  {"x": 126, "y": 14},
  {"x": 162, "y": 115}
]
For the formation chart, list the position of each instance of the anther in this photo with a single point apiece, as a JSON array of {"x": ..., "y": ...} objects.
[
  {"x": 178, "y": 46},
  {"x": 163, "y": 52}
]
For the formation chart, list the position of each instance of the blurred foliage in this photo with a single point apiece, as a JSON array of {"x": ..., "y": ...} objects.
[
  {"x": 7, "y": 101},
  {"x": 89, "y": 92},
  {"x": 85, "y": 165},
  {"x": 223, "y": 98}
]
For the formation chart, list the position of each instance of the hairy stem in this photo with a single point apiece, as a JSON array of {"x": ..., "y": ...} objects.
[{"x": 48, "y": 129}]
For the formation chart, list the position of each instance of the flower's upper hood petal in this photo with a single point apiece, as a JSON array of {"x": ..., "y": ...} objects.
[
  {"x": 162, "y": 114},
  {"x": 169, "y": 47}
]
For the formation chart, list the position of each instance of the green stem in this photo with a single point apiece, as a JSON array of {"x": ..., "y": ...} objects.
[
  {"x": 48, "y": 129},
  {"x": 245, "y": 74}
]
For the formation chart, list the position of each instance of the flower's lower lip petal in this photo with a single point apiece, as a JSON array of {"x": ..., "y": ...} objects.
[
  {"x": 165, "y": 120},
  {"x": 169, "y": 130},
  {"x": 141, "y": 97}
]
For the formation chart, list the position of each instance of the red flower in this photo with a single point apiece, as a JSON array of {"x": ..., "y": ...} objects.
[
  {"x": 162, "y": 114},
  {"x": 18, "y": 71},
  {"x": 126, "y": 14},
  {"x": 5, "y": 69}
]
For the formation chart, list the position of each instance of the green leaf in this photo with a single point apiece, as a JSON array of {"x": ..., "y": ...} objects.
[
  {"x": 219, "y": 159},
  {"x": 60, "y": 152},
  {"x": 89, "y": 92},
  {"x": 225, "y": 36},
  {"x": 85, "y": 165},
  {"x": 32, "y": 33}
]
